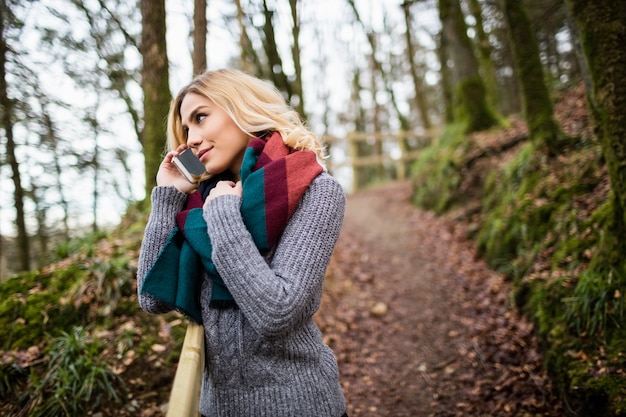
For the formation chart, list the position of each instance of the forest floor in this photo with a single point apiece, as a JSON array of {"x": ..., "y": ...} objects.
[{"x": 419, "y": 325}]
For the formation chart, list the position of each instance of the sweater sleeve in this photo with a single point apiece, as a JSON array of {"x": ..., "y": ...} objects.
[
  {"x": 166, "y": 202},
  {"x": 278, "y": 296}
]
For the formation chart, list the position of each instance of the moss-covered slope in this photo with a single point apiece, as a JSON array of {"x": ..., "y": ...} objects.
[{"x": 538, "y": 219}]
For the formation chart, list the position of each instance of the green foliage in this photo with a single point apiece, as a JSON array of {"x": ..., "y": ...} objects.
[
  {"x": 107, "y": 282},
  {"x": 542, "y": 303},
  {"x": 86, "y": 243},
  {"x": 436, "y": 176},
  {"x": 12, "y": 377},
  {"x": 511, "y": 213},
  {"x": 86, "y": 287},
  {"x": 539, "y": 208},
  {"x": 597, "y": 305},
  {"x": 76, "y": 380}
]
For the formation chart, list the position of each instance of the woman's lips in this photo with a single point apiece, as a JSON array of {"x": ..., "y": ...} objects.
[{"x": 203, "y": 152}]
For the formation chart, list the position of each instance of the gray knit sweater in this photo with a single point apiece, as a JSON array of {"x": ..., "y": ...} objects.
[{"x": 266, "y": 357}]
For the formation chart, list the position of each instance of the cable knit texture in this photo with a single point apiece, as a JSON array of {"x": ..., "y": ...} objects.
[{"x": 266, "y": 357}]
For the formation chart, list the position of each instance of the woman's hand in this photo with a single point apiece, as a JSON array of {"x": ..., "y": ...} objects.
[
  {"x": 169, "y": 175},
  {"x": 225, "y": 188}
]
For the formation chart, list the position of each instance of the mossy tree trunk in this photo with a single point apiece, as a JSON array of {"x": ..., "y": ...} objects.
[
  {"x": 155, "y": 85},
  {"x": 537, "y": 106},
  {"x": 443, "y": 52},
  {"x": 470, "y": 95},
  {"x": 602, "y": 27}
]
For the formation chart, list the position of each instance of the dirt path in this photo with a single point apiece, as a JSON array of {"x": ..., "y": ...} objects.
[{"x": 419, "y": 327}]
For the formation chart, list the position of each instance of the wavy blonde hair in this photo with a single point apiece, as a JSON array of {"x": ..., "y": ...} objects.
[{"x": 255, "y": 106}]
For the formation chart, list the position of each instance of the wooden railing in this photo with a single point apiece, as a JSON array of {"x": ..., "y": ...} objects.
[{"x": 377, "y": 156}]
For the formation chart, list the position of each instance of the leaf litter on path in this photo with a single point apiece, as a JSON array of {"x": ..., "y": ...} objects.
[{"x": 420, "y": 327}]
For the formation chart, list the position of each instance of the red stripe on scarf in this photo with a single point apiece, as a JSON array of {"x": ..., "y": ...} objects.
[
  {"x": 301, "y": 168},
  {"x": 194, "y": 200},
  {"x": 288, "y": 173},
  {"x": 276, "y": 200}
]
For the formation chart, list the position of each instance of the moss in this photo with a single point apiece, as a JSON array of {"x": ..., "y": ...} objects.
[
  {"x": 26, "y": 323},
  {"x": 589, "y": 380},
  {"x": 33, "y": 305},
  {"x": 436, "y": 176},
  {"x": 542, "y": 302},
  {"x": 85, "y": 288},
  {"x": 472, "y": 108},
  {"x": 515, "y": 220},
  {"x": 531, "y": 209}
]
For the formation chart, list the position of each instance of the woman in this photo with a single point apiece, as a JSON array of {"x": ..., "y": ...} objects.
[{"x": 245, "y": 251}]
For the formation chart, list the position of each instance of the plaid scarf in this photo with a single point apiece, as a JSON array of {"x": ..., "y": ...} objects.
[{"x": 274, "y": 178}]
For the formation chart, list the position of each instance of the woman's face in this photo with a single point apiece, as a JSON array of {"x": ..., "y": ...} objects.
[{"x": 212, "y": 135}]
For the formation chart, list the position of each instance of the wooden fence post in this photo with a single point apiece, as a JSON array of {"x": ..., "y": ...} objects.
[{"x": 353, "y": 151}]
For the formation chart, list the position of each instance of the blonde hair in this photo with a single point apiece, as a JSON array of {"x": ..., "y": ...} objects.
[{"x": 254, "y": 105}]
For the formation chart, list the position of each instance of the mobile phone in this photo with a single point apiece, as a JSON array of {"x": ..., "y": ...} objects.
[{"x": 189, "y": 165}]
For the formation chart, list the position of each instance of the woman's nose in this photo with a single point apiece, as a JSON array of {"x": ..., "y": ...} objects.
[{"x": 193, "y": 138}]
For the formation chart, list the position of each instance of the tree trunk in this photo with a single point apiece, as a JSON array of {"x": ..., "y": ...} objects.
[
  {"x": 271, "y": 50},
  {"x": 483, "y": 46},
  {"x": 42, "y": 231},
  {"x": 95, "y": 165},
  {"x": 602, "y": 26},
  {"x": 470, "y": 95},
  {"x": 376, "y": 172},
  {"x": 447, "y": 85},
  {"x": 418, "y": 83},
  {"x": 509, "y": 92},
  {"x": 249, "y": 59},
  {"x": 378, "y": 67},
  {"x": 538, "y": 109},
  {"x": 199, "y": 37},
  {"x": 359, "y": 177},
  {"x": 155, "y": 85},
  {"x": 7, "y": 124},
  {"x": 52, "y": 140},
  {"x": 295, "y": 51}
]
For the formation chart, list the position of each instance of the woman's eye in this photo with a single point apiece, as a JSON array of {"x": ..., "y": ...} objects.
[
  {"x": 185, "y": 131},
  {"x": 200, "y": 117}
]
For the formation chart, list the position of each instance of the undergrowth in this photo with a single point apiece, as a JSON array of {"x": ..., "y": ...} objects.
[
  {"x": 436, "y": 176},
  {"x": 66, "y": 327},
  {"x": 540, "y": 221},
  {"x": 76, "y": 380}
]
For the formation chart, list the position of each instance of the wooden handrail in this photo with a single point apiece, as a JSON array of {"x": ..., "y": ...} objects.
[
  {"x": 363, "y": 136},
  {"x": 408, "y": 145},
  {"x": 185, "y": 394}
]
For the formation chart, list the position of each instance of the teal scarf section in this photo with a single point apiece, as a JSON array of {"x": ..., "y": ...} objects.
[{"x": 274, "y": 178}]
